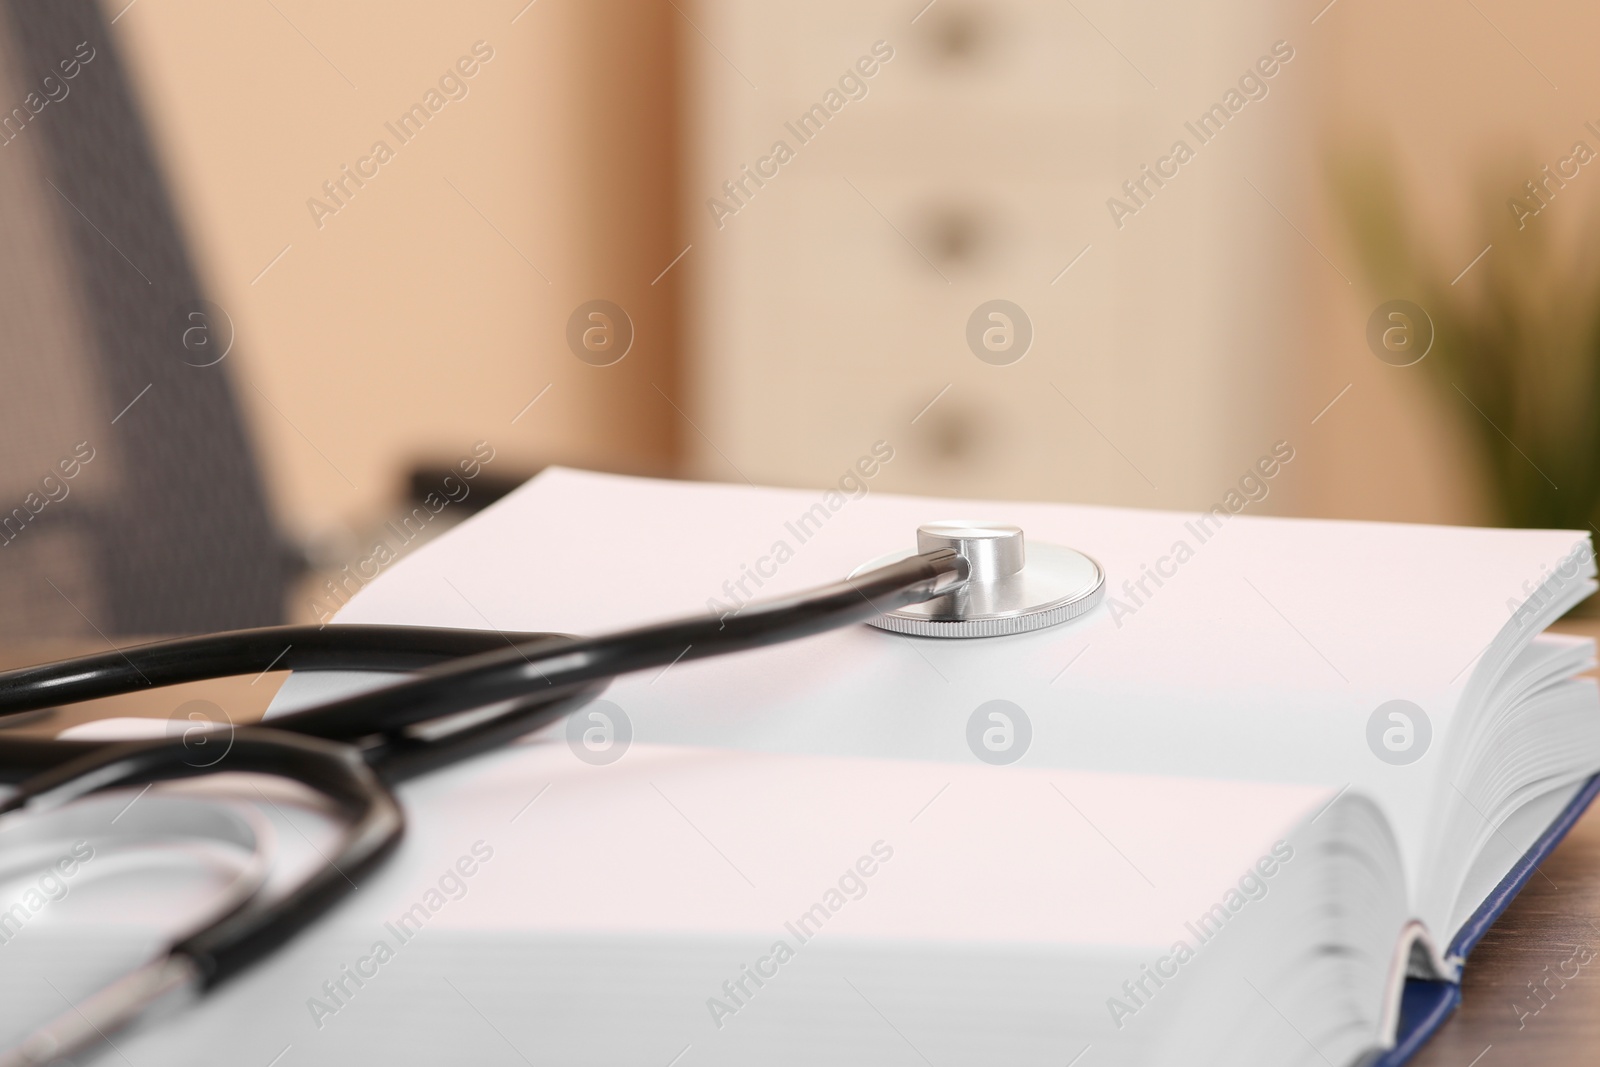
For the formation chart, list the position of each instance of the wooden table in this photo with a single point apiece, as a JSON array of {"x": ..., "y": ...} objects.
[{"x": 1556, "y": 912}]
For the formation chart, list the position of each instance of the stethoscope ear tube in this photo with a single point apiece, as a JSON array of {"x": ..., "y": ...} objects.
[
  {"x": 240, "y": 934},
  {"x": 238, "y": 652},
  {"x": 491, "y": 688},
  {"x": 555, "y": 667},
  {"x": 438, "y": 743},
  {"x": 373, "y": 819},
  {"x": 32, "y": 840},
  {"x": 245, "y": 652}
]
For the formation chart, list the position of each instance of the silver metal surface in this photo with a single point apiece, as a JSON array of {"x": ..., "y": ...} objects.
[
  {"x": 992, "y": 549},
  {"x": 1013, "y": 587},
  {"x": 33, "y": 837},
  {"x": 164, "y": 983}
]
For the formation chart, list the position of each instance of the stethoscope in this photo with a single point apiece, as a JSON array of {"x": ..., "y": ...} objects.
[{"x": 471, "y": 691}]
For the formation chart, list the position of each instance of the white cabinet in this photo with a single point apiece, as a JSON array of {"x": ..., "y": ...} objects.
[{"x": 829, "y": 302}]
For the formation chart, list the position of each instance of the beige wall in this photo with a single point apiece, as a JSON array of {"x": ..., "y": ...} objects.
[
  {"x": 408, "y": 325},
  {"x": 1452, "y": 96}
]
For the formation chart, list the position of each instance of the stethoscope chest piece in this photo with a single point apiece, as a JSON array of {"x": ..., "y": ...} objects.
[{"x": 1010, "y": 589}]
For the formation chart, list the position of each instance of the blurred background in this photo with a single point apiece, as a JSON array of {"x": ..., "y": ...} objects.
[{"x": 1089, "y": 251}]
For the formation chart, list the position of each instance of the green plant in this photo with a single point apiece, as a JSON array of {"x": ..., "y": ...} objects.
[{"x": 1516, "y": 345}]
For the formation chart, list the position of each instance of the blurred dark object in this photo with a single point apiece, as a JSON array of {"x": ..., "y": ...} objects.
[
  {"x": 1515, "y": 337},
  {"x": 484, "y": 489},
  {"x": 109, "y": 351},
  {"x": 957, "y": 34}
]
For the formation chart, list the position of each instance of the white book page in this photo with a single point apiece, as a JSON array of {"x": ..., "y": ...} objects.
[
  {"x": 676, "y": 840},
  {"x": 1261, "y": 655},
  {"x": 655, "y": 879}
]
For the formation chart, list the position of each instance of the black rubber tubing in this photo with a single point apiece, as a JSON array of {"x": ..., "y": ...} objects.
[{"x": 459, "y": 669}]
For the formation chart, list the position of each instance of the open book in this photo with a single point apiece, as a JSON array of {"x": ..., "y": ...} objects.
[{"x": 1221, "y": 818}]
